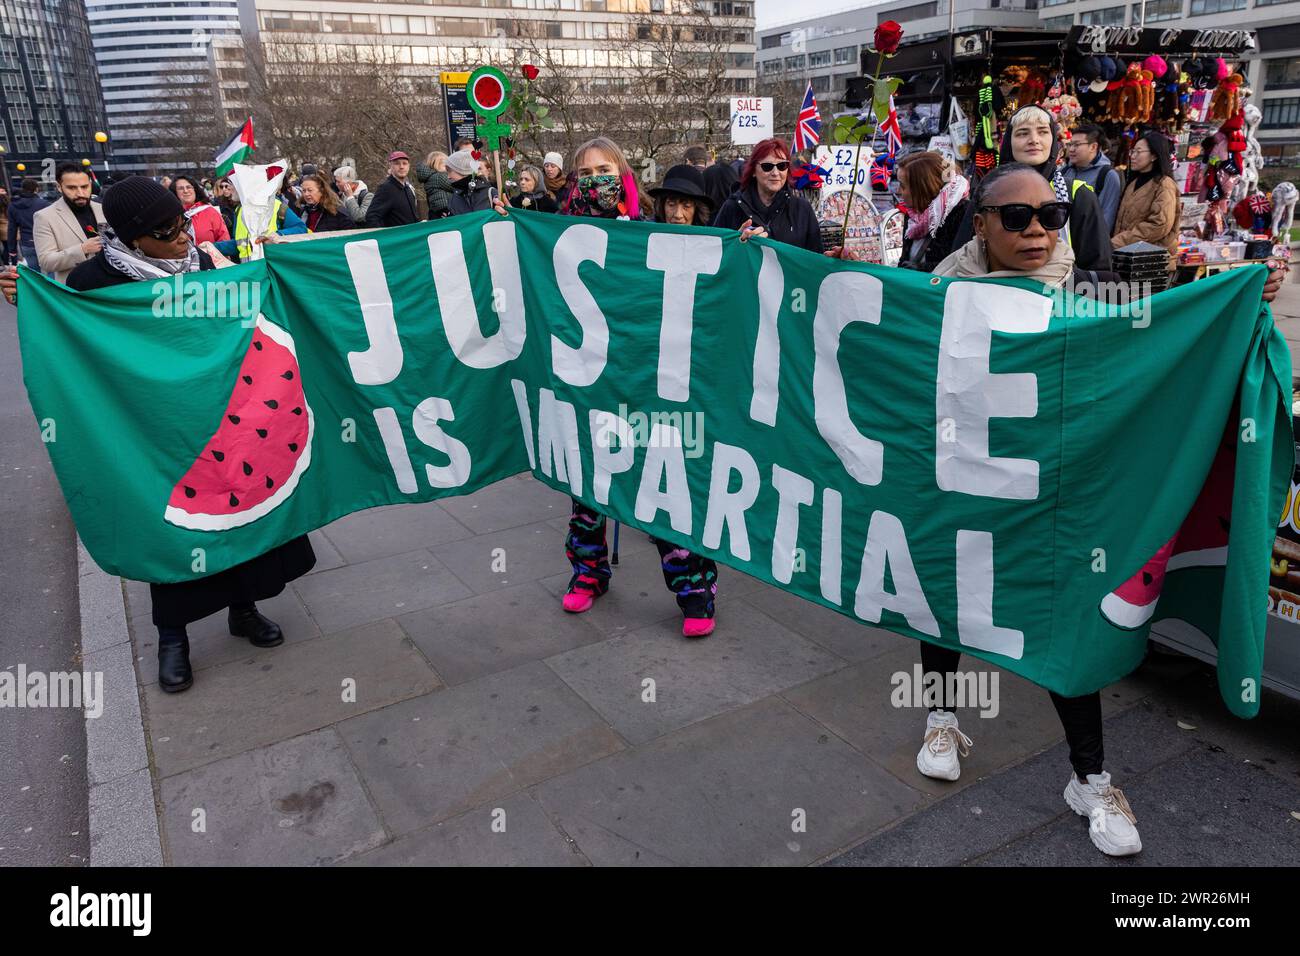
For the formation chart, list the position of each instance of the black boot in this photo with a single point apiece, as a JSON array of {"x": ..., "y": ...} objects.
[
  {"x": 174, "y": 674},
  {"x": 245, "y": 621}
]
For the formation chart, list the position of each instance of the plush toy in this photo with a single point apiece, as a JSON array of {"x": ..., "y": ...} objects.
[
  {"x": 1234, "y": 132},
  {"x": 1146, "y": 96},
  {"x": 1284, "y": 200},
  {"x": 1129, "y": 108},
  {"x": 1033, "y": 89},
  {"x": 1252, "y": 159},
  {"x": 1226, "y": 100}
]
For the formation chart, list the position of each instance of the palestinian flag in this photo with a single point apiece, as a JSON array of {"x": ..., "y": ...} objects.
[{"x": 237, "y": 150}]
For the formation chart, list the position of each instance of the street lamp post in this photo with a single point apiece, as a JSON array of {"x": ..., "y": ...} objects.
[{"x": 4, "y": 167}]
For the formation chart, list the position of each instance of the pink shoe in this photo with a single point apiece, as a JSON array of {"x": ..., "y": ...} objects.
[
  {"x": 575, "y": 602},
  {"x": 697, "y": 627}
]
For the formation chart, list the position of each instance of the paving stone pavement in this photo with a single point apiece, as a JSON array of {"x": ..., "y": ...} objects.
[{"x": 430, "y": 707}]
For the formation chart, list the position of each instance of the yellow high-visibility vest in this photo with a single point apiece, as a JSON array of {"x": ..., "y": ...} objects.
[{"x": 243, "y": 241}]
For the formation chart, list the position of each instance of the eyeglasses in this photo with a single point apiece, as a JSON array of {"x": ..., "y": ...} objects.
[
  {"x": 768, "y": 167},
  {"x": 1016, "y": 216},
  {"x": 169, "y": 234}
]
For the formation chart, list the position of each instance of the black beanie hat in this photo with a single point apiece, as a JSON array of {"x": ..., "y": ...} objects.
[{"x": 137, "y": 204}]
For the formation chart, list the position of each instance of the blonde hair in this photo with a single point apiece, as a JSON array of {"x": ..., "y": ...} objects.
[
  {"x": 1028, "y": 114},
  {"x": 436, "y": 160}
]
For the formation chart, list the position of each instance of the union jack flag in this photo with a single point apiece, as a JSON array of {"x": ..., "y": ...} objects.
[
  {"x": 893, "y": 135},
  {"x": 808, "y": 130}
]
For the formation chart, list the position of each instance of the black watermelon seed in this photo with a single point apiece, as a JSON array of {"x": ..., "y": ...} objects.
[
  {"x": 271, "y": 403},
  {"x": 1146, "y": 577},
  {"x": 297, "y": 411},
  {"x": 257, "y": 345},
  {"x": 234, "y": 502},
  {"x": 293, "y": 446},
  {"x": 248, "y": 380},
  {"x": 189, "y": 492},
  {"x": 234, "y": 419},
  {"x": 268, "y": 481},
  {"x": 248, "y": 469},
  {"x": 287, "y": 375},
  {"x": 219, "y": 455},
  {"x": 261, "y": 433}
]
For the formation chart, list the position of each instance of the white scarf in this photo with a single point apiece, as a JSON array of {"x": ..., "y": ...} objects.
[
  {"x": 971, "y": 262},
  {"x": 135, "y": 264},
  {"x": 953, "y": 192}
]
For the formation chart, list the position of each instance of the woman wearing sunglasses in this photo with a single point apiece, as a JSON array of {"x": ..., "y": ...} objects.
[
  {"x": 766, "y": 205},
  {"x": 1149, "y": 207},
  {"x": 1034, "y": 138},
  {"x": 1017, "y": 220},
  {"x": 148, "y": 238}
]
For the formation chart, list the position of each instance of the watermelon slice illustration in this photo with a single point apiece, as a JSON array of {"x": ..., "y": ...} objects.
[
  {"x": 260, "y": 450},
  {"x": 1201, "y": 541}
]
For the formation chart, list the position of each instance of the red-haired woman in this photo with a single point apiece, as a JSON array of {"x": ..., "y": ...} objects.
[{"x": 766, "y": 200}]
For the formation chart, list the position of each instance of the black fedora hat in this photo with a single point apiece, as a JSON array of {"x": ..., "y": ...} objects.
[{"x": 682, "y": 180}]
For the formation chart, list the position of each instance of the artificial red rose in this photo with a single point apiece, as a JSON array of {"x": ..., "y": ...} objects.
[
  {"x": 887, "y": 36},
  {"x": 530, "y": 71}
]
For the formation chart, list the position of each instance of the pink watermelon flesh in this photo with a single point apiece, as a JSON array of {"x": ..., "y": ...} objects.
[
  {"x": 261, "y": 448},
  {"x": 1201, "y": 541},
  {"x": 1132, "y": 603}
]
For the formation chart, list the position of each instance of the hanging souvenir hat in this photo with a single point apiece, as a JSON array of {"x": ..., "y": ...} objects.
[{"x": 1089, "y": 69}]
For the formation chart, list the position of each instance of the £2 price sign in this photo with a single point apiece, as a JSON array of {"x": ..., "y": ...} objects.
[{"x": 751, "y": 119}]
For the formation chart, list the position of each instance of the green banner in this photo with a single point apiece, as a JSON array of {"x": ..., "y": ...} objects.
[{"x": 974, "y": 463}]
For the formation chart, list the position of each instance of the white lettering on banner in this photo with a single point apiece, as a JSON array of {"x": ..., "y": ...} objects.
[
  {"x": 844, "y": 298},
  {"x": 968, "y": 394},
  {"x": 557, "y": 440},
  {"x": 525, "y": 418},
  {"x": 792, "y": 490},
  {"x": 424, "y": 421},
  {"x": 608, "y": 461},
  {"x": 887, "y": 545},
  {"x": 832, "y": 511},
  {"x": 664, "y": 465},
  {"x": 726, "y": 506},
  {"x": 460, "y": 317},
  {"x": 767, "y": 347},
  {"x": 381, "y": 362},
  {"x": 581, "y": 366},
  {"x": 975, "y": 627},
  {"x": 390, "y": 432},
  {"x": 682, "y": 259}
]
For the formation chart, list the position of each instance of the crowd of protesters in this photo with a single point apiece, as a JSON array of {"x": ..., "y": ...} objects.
[{"x": 1032, "y": 216}]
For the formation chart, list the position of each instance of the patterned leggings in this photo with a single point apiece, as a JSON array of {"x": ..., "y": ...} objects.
[{"x": 693, "y": 578}]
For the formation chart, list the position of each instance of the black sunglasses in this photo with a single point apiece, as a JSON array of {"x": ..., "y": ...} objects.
[
  {"x": 768, "y": 167},
  {"x": 167, "y": 235},
  {"x": 1016, "y": 216}
]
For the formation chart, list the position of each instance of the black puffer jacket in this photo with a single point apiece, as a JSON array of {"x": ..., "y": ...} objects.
[
  {"x": 470, "y": 194},
  {"x": 788, "y": 219}
]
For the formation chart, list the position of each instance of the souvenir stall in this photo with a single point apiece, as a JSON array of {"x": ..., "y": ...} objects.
[{"x": 1190, "y": 85}]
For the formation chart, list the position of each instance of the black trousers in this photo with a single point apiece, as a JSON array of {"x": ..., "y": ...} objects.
[{"x": 1080, "y": 716}]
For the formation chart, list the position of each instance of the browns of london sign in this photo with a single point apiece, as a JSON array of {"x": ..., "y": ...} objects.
[{"x": 1098, "y": 39}]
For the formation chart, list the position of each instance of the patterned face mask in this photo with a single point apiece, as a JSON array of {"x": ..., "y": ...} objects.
[{"x": 604, "y": 192}]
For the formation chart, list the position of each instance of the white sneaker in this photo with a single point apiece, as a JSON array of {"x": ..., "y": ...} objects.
[
  {"x": 1111, "y": 823},
  {"x": 944, "y": 741}
]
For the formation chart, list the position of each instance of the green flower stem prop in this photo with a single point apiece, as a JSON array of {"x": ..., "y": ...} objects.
[
  {"x": 846, "y": 131},
  {"x": 488, "y": 91}
]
